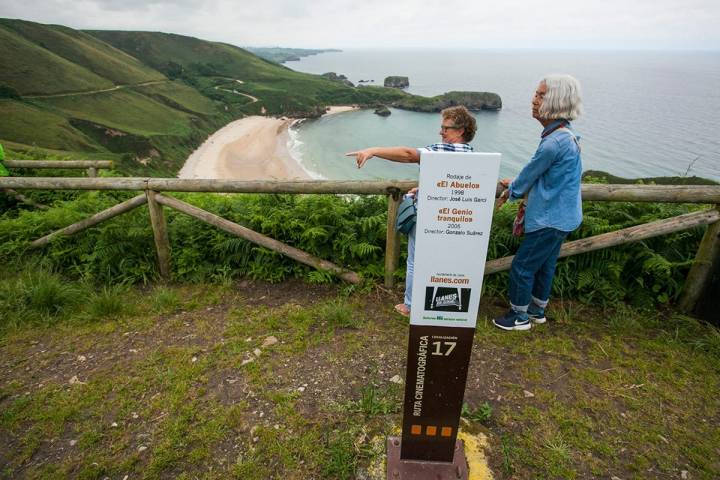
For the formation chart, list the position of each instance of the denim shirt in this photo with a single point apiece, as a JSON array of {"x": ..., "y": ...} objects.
[{"x": 552, "y": 178}]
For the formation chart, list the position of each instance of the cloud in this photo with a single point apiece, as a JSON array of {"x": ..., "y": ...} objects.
[{"x": 401, "y": 23}]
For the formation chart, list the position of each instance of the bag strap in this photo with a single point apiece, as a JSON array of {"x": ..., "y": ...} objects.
[{"x": 565, "y": 129}]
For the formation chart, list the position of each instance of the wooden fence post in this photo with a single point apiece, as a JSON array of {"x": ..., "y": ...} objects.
[
  {"x": 92, "y": 172},
  {"x": 392, "y": 239},
  {"x": 701, "y": 272},
  {"x": 160, "y": 232}
]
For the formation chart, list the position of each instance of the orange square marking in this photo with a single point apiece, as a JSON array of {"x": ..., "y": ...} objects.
[
  {"x": 431, "y": 431},
  {"x": 416, "y": 429},
  {"x": 446, "y": 431}
]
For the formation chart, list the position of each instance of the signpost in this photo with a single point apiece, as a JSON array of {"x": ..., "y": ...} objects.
[{"x": 455, "y": 207}]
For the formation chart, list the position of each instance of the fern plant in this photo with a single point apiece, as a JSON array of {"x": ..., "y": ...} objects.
[{"x": 347, "y": 230}]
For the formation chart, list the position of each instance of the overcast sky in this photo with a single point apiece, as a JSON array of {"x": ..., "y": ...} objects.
[{"x": 595, "y": 24}]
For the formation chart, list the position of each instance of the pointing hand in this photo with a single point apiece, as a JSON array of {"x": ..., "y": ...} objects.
[{"x": 361, "y": 156}]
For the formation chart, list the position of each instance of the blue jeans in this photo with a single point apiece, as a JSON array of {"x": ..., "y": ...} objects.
[
  {"x": 533, "y": 267},
  {"x": 410, "y": 268}
]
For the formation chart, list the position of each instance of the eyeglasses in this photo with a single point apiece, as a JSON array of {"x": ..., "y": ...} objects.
[{"x": 445, "y": 128}]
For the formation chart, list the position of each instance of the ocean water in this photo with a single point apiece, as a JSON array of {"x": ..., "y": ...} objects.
[{"x": 645, "y": 113}]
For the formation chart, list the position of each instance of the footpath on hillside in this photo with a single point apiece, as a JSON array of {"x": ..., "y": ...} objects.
[{"x": 92, "y": 92}]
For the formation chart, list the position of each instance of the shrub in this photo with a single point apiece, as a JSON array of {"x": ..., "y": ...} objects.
[{"x": 349, "y": 231}]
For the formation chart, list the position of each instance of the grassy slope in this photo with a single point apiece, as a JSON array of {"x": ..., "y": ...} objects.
[
  {"x": 125, "y": 110},
  {"x": 151, "y": 384},
  {"x": 180, "y": 94},
  {"x": 33, "y": 125},
  {"x": 84, "y": 51},
  {"x": 31, "y": 69}
]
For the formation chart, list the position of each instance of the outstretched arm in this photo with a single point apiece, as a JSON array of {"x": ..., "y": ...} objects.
[{"x": 394, "y": 154}]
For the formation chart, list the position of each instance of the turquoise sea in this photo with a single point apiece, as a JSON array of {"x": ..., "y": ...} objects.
[{"x": 646, "y": 113}]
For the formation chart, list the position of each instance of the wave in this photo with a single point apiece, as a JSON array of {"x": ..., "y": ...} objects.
[{"x": 294, "y": 147}]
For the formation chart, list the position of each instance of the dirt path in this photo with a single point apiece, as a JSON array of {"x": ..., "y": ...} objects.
[
  {"x": 254, "y": 99},
  {"x": 91, "y": 92}
]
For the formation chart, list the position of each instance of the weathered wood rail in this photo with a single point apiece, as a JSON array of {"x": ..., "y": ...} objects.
[
  {"x": 90, "y": 166},
  {"x": 155, "y": 189}
]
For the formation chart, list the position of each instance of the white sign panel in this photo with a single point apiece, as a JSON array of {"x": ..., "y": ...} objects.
[{"x": 456, "y": 198}]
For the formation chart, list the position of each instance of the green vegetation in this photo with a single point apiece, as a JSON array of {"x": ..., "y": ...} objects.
[
  {"x": 480, "y": 414},
  {"x": 83, "y": 52},
  {"x": 30, "y": 68},
  {"x": 32, "y": 125},
  {"x": 140, "y": 114},
  {"x": 347, "y": 232}
]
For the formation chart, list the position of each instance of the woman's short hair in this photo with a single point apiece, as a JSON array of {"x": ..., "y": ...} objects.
[
  {"x": 461, "y": 118},
  {"x": 562, "y": 99}
]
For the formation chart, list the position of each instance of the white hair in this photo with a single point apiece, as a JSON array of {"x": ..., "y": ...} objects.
[{"x": 562, "y": 99}]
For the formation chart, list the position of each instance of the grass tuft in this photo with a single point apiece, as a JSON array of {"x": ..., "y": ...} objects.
[
  {"x": 481, "y": 414},
  {"x": 339, "y": 314},
  {"x": 165, "y": 300},
  {"x": 110, "y": 302}
]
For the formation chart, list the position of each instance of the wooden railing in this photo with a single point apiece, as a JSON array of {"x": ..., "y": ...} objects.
[
  {"x": 90, "y": 166},
  {"x": 708, "y": 254}
]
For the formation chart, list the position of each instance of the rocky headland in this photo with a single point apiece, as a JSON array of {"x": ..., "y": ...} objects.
[
  {"x": 473, "y": 101},
  {"x": 334, "y": 77}
]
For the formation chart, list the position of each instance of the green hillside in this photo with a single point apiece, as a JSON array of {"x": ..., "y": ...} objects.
[
  {"x": 84, "y": 51},
  {"x": 27, "y": 124},
  {"x": 209, "y": 64},
  {"x": 29, "y": 68},
  {"x": 146, "y": 99}
]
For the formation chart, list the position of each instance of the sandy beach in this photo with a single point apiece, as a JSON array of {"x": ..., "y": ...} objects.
[{"x": 252, "y": 148}]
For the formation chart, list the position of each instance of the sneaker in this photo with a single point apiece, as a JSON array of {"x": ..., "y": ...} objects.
[
  {"x": 536, "y": 314},
  {"x": 513, "y": 320}
]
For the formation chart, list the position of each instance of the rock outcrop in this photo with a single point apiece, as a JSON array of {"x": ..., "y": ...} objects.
[
  {"x": 397, "y": 82},
  {"x": 473, "y": 101},
  {"x": 383, "y": 111}
]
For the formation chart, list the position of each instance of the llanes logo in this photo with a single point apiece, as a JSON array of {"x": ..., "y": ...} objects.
[{"x": 447, "y": 299}]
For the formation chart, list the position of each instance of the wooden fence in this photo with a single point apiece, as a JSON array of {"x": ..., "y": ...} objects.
[
  {"x": 155, "y": 195},
  {"x": 90, "y": 166}
]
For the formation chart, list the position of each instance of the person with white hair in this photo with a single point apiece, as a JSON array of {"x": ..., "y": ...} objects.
[{"x": 550, "y": 182}]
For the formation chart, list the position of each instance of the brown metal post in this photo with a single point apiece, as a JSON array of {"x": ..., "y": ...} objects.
[
  {"x": 160, "y": 232},
  {"x": 392, "y": 240},
  {"x": 706, "y": 260}
]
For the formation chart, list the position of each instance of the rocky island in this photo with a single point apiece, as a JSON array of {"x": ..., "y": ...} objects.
[
  {"x": 397, "y": 82},
  {"x": 382, "y": 110}
]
